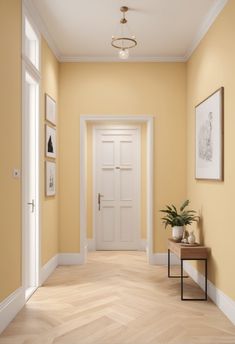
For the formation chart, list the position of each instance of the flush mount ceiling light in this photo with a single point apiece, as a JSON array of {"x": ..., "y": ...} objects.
[{"x": 124, "y": 40}]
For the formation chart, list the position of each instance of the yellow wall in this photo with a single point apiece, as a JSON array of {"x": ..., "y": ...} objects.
[
  {"x": 123, "y": 88},
  {"x": 49, "y": 205},
  {"x": 212, "y": 66},
  {"x": 143, "y": 181},
  {"x": 10, "y": 146}
]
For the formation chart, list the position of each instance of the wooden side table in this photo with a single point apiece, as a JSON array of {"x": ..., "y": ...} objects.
[{"x": 187, "y": 253}]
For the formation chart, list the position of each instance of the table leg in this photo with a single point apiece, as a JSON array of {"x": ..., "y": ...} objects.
[
  {"x": 169, "y": 266},
  {"x": 169, "y": 263},
  {"x": 181, "y": 278}
]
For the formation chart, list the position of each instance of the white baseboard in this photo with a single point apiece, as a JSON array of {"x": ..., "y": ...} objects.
[
  {"x": 222, "y": 301},
  {"x": 71, "y": 259},
  {"x": 48, "y": 268},
  {"x": 91, "y": 245},
  {"x": 10, "y": 307},
  {"x": 161, "y": 259}
]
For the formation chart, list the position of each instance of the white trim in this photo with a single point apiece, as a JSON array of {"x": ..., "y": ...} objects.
[
  {"x": 116, "y": 59},
  {"x": 10, "y": 306},
  {"x": 41, "y": 26},
  {"x": 25, "y": 181},
  {"x": 70, "y": 259},
  {"x": 161, "y": 259},
  {"x": 116, "y": 118},
  {"x": 48, "y": 268},
  {"x": 207, "y": 23},
  {"x": 149, "y": 173},
  {"x": 83, "y": 196},
  {"x": 222, "y": 301},
  {"x": 29, "y": 292},
  {"x": 26, "y": 13},
  {"x": 148, "y": 119}
]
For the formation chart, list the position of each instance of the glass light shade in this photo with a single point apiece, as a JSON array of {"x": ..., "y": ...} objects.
[{"x": 123, "y": 54}]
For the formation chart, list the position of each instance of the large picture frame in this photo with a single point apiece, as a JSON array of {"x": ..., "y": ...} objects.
[
  {"x": 50, "y": 143},
  {"x": 50, "y": 178},
  {"x": 209, "y": 137},
  {"x": 50, "y": 109}
]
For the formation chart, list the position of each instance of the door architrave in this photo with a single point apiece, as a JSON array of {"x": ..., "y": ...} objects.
[{"x": 98, "y": 119}]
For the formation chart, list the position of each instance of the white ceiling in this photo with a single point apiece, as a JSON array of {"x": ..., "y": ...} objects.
[{"x": 166, "y": 30}]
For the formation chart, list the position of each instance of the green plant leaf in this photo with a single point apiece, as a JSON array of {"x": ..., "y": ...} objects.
[{"x": 185, "y": 204}]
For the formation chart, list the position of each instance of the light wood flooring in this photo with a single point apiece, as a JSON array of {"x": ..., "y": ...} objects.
[{"x": 117, "y": 298}]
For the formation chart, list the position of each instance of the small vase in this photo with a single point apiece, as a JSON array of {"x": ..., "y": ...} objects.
[
  {"x": 191, "y": 238},
  {"x": 177, "y": 232}
]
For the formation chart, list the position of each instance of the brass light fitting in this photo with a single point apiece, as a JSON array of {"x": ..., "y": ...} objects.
[{"x": 124, "y": 42}]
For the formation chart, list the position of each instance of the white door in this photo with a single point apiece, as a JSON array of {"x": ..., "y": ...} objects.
[
  {"x": 117, "y": 174},
  {"x": 30, "y": 183}
]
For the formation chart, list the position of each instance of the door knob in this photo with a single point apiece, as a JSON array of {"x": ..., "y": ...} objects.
[
  {"x": 32, "y": 205},
  {"x": 99, "y": 199}
]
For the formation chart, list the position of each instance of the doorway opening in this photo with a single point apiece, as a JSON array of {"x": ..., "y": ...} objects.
[{"x": 130, "y": 202}]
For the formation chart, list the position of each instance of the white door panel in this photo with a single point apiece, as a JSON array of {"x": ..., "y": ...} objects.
[
  {"x": 117, "y": 181},
  {"x": 107, "y": 153},
  {"x": 126, "y": 149},
  {"x": 126, "y": 224},
  {"x": 126, "y": 185},
  {"x": 108, "y": 184},
  {"x": 108, "y": 224}
]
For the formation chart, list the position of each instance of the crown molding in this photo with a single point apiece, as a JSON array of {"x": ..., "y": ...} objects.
[
  {"x": 116, "y": 59},
  {"x": 209, "y": 20},
  {"x": 41, "y": 26}
]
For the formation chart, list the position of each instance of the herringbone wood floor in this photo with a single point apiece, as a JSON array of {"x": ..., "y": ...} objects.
[{"x": 117, "y": 298}]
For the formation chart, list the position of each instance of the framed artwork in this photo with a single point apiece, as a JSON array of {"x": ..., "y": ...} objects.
[
  {"x": 50, "y": 143},
  {"x": 50, "y": 109},
  {"x": 50, "y": 178},
  {"x": 209, "y": 137}
]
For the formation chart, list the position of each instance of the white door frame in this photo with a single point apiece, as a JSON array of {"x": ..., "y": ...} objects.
[
  {"x": 28, "y": 67},
  {"x": 84, "y": 119},
  {"x": 94, "y": 192},
  {"x": 25, "y": 181}
]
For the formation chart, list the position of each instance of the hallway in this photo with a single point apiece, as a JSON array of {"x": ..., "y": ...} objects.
[{"x": 116, "y": 298}]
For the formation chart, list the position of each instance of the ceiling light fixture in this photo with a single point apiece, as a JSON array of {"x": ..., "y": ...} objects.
[{"x": 124, "y": 40}]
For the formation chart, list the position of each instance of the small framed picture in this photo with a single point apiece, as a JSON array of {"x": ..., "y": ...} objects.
[
  {"x": 50, "y": 178},
  {"x": 209, "y": 137},
  {"x": 50, "y": 143},
  {"x": 50, "y": 109}
]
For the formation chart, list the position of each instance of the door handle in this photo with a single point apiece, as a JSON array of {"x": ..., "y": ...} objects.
[
  {"x": 99, "y": 200},
  {"x": 32, "y": 205}
]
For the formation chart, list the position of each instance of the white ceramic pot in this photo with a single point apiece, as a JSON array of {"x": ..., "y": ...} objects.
[
  {"x": 177, "y": 232},
  {"x": 191, "y": 238}
]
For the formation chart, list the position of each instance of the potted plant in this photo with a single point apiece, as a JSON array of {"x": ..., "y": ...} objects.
[{"x": 178, "y": 219}]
